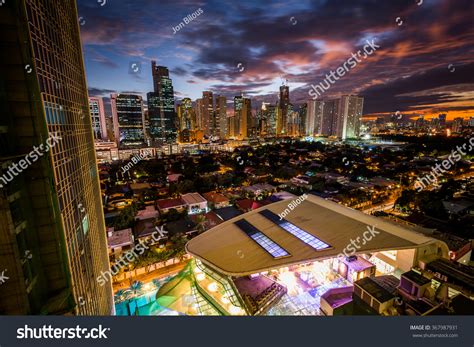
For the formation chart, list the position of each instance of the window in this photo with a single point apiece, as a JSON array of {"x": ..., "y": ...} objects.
[
  {"x": 261, "y": 239},
  {"x": 302, "y": 235}
]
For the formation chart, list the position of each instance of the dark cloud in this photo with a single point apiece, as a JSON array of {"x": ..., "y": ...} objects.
[{"x": 248, "y": 45}]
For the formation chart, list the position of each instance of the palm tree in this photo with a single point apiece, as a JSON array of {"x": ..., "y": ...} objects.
[
  {"x": 121, "y": 295},
  {"x": 124, "y": 295},
  {"x": 136, "y": 287}
]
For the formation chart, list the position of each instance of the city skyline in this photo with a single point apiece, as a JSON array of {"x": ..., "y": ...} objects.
[{"x": 229, "y": 48}]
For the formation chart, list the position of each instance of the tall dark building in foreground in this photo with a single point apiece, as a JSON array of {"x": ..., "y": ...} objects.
[
  {"x": 162, "y": 117},
  {"x": 52, "y": 232}
]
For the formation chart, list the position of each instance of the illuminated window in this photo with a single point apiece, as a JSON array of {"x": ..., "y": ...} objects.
[
  {"x": 261, "y": 239},
  {"x": 302, "y": 235}
]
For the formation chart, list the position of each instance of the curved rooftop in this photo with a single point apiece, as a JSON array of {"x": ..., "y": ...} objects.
[{"x": 233, "y": 250}]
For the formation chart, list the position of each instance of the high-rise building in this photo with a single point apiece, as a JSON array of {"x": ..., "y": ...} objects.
[
  {"x": 221, "y": 115},
  {"x": 99, "y": 125},
  {"x": 420, "y": 123},
  {"x": 442, "y": 120},
  {"x": 162, "y": 116},
  {"x": 207, "y": 113},
  {"x": 302, "y": 114},
  {"x": 271, "y": 120},
  {"x": 282, "y": 112},
  {"x": 129, "y": 119},
  {"x": 235, "y": 119},
  {"x": 186, "y": 121},
  {"x": 242, "y": 117},
  {"x": 53, "y": 243},
  {"x": 293, "y": 125},
  {"x": 349, "y": 116},
  {"x": 330, "y": 117},
  {"x": 457, "y": 125},
  {"x": 199, "y": 116},
  {"x": 314, "y": 115}
]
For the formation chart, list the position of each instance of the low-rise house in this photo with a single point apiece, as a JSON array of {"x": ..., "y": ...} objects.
[
  {"x": 259, "y": 188},
  {"x": 301, "y": 180},
  {"x": 216, "y": 200},
  {"x": 144, "y": 231},
  {"x": 173, "y": 178},
  {"x": 246, "y": 205},
  {"x": 183, "y": 226},
  {"x": 148, "y": 212},
  {"x": 195, "y": 203},
  {"x": 459, "y": 207},
  {"x": 119, "y": 241},
  {"x": 211, "y": 219},
  {"x": 164, "y": 205}
]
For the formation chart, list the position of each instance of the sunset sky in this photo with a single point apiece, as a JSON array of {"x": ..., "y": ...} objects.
[{"x": 423, "y": 66}]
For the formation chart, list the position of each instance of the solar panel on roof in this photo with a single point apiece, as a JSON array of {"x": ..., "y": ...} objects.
[
  {"x": 261, "y": 239},
  {"x": 302, "y": 235}
]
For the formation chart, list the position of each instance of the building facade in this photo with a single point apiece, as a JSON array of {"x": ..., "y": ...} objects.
[
  {"x": 99, "y": 125},
  {"x": 162, "y": 116},
  {"x": 349, "y": 116},
  {"x": 52, "y": 232},
  {"x": 128, "y": 119},
  {"x": 221, "y": 116}
]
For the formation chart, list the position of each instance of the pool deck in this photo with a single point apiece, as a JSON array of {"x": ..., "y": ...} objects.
[{"x": 157, "y": 274}]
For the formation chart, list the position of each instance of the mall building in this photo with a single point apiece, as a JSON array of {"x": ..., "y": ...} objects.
[{"x": 260, "y": 264}]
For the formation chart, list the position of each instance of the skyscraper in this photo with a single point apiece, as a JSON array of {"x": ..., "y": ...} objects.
[
  {"x": 221, "y": 115},
  {"x": 442, "y": 120},
  {"x": 162, "y": 116},
  {"x": 198, "y": 111},
  {"x": 457, "y": 125},
  {"x": 282, "y": 112},
  {"x": 52, "y": 233},
  {"x": 330, "y": 117},
  {"x": 207, "y": 113},
  {"x": 186, "y": 121},
  {"x": 99, "y": 125},
  {"x": 271, "y": 120},
  {"x": 129, "y": 119},
  {"x": 314, "y": 116},
  {"x": 349, "y": 116},
  {"x": 234, "y": 125},
  {"x": 242, "y": 118}
]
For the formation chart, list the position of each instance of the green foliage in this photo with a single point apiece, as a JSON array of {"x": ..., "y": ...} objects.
[{"x": 126, "y": 218}]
